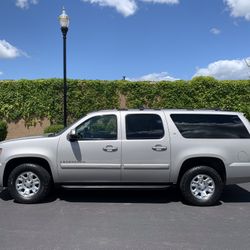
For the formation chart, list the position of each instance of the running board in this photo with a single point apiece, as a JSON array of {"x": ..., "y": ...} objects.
[{"x": 114, "y": 186}]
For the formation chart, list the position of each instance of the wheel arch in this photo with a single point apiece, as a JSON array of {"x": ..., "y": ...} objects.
[
  {"x": 13, "y": 163},
  {"x": 213, "y": 162}
]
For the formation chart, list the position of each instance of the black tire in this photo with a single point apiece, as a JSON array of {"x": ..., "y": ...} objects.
[
  {"x": 213, "y": 184},
  {"x": 35, "y": 171}
]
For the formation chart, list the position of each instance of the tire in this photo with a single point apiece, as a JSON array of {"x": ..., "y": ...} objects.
[
  {"x": 201, "y": 186},
  {"x": 29, "y": 183}
]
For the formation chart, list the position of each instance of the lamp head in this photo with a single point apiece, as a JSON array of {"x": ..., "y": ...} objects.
[{"x": 64, "y": 19}]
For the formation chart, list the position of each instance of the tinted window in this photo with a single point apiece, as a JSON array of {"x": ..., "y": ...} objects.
[
  {"x": 98, "y": 128},
  {"x": 144, "y": 126},
  {"x": 210, "y": 126}
]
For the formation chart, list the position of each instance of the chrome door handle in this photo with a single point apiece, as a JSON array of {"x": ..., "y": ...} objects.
[
  {"x": 110, "y": 148},
  {"x": 159, "y": 148}
]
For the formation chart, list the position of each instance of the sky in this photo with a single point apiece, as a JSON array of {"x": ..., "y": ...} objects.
[{"x": 149, "y": 40}]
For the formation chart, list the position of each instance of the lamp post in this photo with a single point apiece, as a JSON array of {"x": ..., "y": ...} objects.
[{"x": 64, "y": 22}]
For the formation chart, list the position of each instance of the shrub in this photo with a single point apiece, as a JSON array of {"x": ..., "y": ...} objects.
[
  {"x": 3, "y": 130},
  {"x": 53, "y": 128},
  {"x": 34, "y": 100}
]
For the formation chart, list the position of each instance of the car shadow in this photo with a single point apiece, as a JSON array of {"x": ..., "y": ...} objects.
[
  {"x": 4, "y": 195},
  {"x": 231, "y": 194},
  {"x": 235, "y": 194},
  {"x": 164, "y": 195}
]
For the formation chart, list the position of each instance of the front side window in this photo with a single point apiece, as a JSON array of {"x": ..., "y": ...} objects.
[
  {"x": 144, "y": 126},
  {"x": 210, "y": 126},
  {"x": 98, "y": 128}
]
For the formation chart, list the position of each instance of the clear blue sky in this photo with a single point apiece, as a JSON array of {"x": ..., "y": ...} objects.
[{"x": 134, "y": 38}]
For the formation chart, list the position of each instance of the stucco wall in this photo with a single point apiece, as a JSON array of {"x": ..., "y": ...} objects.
[{"x": 19, "y": 129}]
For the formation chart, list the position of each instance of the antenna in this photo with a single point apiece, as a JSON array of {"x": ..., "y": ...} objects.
[{"x": 248, "y": 65}]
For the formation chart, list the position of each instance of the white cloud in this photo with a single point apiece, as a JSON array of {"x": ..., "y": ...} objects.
[
  {"x": 226, "y": 69},
  {"x": 215, "y": 31},
  {"x": 239, "y": 8},
  {"x": 24, "y": 4},
  {"x": 127, "y": 7},
  {"x": 154, "y": 77},
  {"x": 1, "y": 73},
  {"x": 161, "y": 1},
  {"x": 9, "y": 51}
]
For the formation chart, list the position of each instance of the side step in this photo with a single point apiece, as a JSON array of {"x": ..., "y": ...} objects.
[{"x": 114, "y": 186}]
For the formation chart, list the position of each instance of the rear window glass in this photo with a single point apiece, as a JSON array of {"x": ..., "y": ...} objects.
[
  {"x": 210, "y": 126},
  {"x": 144, "y": 126}
]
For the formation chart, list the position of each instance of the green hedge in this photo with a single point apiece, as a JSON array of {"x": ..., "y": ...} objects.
[
  {"x": 199, "y": 93},
  {"x": 53, "y": 128},
  {"x": 3, "y": 130},
  {"x": 34, "y": 100}
]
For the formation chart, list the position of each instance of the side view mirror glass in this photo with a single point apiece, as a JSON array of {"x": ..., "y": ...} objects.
[{"x": 72, "y": 136}]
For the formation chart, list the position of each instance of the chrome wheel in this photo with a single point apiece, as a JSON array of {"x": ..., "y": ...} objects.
[
  {"x": 202, "y": 187},
  {"x": 27, "y": 184}
]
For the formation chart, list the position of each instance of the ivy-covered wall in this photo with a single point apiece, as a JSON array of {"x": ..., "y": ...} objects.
[{"x": 33, "y": 100}]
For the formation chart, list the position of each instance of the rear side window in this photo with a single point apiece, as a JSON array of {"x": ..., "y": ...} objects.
[
  {"x": 144, "y": 126},
  {"x": 210, "y": 126}
]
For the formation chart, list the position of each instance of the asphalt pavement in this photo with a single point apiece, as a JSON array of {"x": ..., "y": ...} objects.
[{"x": 126, "y": 219}]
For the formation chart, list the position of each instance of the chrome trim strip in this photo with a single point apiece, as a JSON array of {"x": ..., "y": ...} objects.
[
  {"x": 240, "y": 164},
  {"x": 89, "y": 166},
  {"x": 146, "y": 166}
]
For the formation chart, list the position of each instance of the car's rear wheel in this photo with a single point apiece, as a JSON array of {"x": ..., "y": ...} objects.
[
  {"x": 201, "y": 186},
  {"x": 29, "y": 183}
]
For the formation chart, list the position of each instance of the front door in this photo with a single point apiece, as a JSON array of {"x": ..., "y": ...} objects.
[
  {"x": 145, "y": 147},
  {"x": 96, "y": 155}
]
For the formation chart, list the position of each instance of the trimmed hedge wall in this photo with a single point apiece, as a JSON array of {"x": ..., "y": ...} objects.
[
  {"x": 199, "y": 93},
  {"x": 3, "y": 130},
  {"x": 53, "y": 128},
  {"x": 33, "y": 100}
]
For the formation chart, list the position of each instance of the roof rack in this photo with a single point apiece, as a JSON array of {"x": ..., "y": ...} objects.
[{"x": 122, "y": 109}]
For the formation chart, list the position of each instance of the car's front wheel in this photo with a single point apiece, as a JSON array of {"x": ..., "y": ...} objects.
[
  {"x": 201, "y": 186},
  {"x": 29, "y": 183}
]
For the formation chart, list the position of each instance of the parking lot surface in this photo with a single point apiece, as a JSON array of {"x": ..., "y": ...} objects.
[{"x": 126, "y": 219}]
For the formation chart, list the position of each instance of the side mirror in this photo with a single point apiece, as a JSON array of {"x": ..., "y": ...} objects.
[{"x": 72, "y": 136}]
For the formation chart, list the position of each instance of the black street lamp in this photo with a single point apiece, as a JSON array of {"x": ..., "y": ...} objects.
[{"x": 64, "y": 22}]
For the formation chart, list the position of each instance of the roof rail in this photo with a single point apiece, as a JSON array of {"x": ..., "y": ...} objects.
[{"x": 122, "y": 109}]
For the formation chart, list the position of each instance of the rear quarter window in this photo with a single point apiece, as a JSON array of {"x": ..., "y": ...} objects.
[{"x": 210, "y": 126}]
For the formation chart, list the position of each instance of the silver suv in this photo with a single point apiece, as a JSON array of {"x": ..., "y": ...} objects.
[{"x": 199, "y": 151}]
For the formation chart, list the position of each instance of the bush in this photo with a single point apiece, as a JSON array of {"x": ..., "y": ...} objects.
[
  {"x": 34, "y": 100},
  {"x": 54, "y": 128},
  {"x": 3, "y": 130}
]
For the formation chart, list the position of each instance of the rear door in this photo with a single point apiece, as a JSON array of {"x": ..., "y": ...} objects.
[{"x": 145, "y": 147}]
